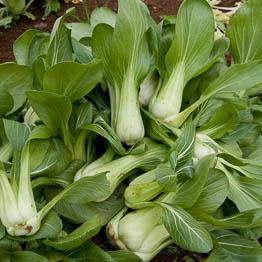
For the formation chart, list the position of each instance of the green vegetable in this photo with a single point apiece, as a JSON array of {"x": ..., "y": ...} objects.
[
  {"x": 125, "y": 54},
  {"x": 185, "y": 58}
]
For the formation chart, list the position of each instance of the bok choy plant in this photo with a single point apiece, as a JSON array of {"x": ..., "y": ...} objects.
[
  {"x": 187, "y": 55},
  {"x": 125, "y": 54},
  {"x": 146, "y": 231}
]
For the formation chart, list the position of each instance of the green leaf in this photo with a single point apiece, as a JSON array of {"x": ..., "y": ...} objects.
[
  {"x": 6, "y": 103},
  {"x": 165, "y": 177},
  {"x": 90, "y": 252},
  {"x": 185, "y": 230},
  {"x": 39, "y": 68},
  {"x": 246, "y": 193},
  {"x": 123, "y": 256},
  {"x": 87, "y": 189},
  {"x": 16, "y": 80},
  {"x": 188, "y": 193},
  {"x": 80, "y": 33},
  {"x": 38, "y": 150},
  {"x": 236, "y": 78},
  {"x": 243, "y": 220},
  {"x": 103, "y": 15},
  {"x": 220, "y": 47},
  {"x": 54, "y": 110},
  {"x": 194, "y": 36},
  {"x": 82, "y": 212},
  {"x": 224, "y": 119},
  {"x": 51, "y": 6},
  {"x": 183, "y": 150},
  {"x": 25, "y": 256},
  {"x": 84, "y": 232},
  {"x": 82, "y": 115},
  {"x": 2, "y": 231},
  {"x": 214, "y": 192},
  {"x": 237, "y": 247},
  {"x": 218, "y": 255},
  {"x": 72, "y": 79},
  {"x": 80, "y": 30},
  {"x": 17, "y": 133},
  {"x": 245, "y": 32},
  {"x": 101, "y": 128},
  {"x": 60, "y": 47},
  {"x": 56, "y": 160},
  {"x": 29, "y": 46}
]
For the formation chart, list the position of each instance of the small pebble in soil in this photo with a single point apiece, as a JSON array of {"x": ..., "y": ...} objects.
[{"x": 41, "y": 25}]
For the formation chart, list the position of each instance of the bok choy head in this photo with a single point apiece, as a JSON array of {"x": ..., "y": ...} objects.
[
  {"x": 140, "y": 231},
  {"x": 18, "y": 210},
  {"x": 125, "y": 54},
  {"x": 188, "y": 54}
]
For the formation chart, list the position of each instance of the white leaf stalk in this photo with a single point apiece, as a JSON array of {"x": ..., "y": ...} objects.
[
  {"x": 167, "y": 101},
  {"x": 118, "y": 170},
  {"x": 18, "y": 210},
  {"x": 129, "y": 124},
  {"x": 140, "y": 231},
  {"x": 143, "y": 188},
  {"x": 148, "y": 87}
]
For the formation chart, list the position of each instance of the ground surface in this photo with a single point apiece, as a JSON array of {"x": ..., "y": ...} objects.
[{"x": 157, "y": 9}]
